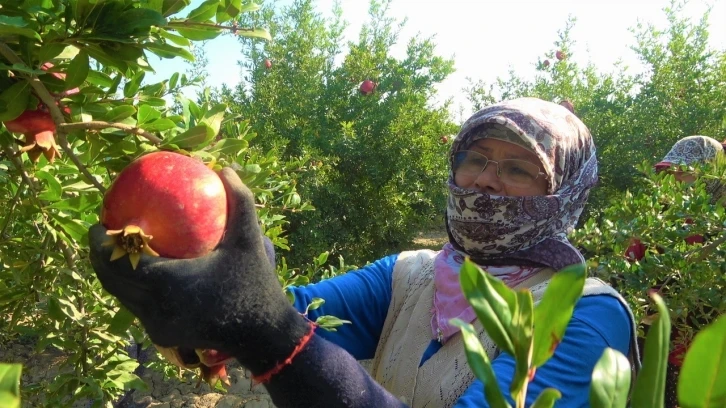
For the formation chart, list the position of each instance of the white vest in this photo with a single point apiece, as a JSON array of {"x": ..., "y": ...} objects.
[{"x": 406, "y": 334}]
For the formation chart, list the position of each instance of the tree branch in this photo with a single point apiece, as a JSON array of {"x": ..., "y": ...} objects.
[{"x": 97, "y": 124}]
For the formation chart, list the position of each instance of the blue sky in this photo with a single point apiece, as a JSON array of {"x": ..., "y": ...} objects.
[{"x": 487, "y": 38}]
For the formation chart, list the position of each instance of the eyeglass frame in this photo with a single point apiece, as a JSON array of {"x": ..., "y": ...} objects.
[{"x": 499, "y": 170}]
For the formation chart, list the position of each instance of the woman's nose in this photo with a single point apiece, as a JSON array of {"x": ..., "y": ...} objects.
[{"x": 488, "y": 181}]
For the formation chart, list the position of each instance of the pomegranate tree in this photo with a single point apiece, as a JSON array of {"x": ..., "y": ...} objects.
[{"x": 165, "y": 204}]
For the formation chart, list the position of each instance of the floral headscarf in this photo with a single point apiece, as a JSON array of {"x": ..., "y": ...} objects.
[
  {"x": 690, "y": 150},
  {"x": 693, "y": 150},
  {"x": 532, "y": 230}
]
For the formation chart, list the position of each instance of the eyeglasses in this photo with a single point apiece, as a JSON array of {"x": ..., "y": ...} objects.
[{"x": 513, "y": 172}]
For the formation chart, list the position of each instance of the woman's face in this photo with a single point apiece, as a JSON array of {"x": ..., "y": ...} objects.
[{"x": 489, "y": 182}]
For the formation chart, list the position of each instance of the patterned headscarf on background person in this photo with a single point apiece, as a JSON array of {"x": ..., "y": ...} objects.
[
  {"x": 532, "y": 230},
  {"x": 692, "y": 150}
]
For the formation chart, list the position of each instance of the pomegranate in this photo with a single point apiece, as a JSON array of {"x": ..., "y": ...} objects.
[
  {"x": 367, "y": 87},
  {"x": 165, "y": 204},
  {"x": 560, "y": 55},
  {"x": 444, "y": 139},
  {"x": 546, "y": 63},
  {"x": 268, "y": 64},
  {"x": 39, "y": 130},
  {"x": 31, "y": 121},
  {"x": 211, "y": 363}
]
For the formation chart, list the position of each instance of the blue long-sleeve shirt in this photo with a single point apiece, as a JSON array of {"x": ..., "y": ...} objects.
[{"x": 363, "y": 297}]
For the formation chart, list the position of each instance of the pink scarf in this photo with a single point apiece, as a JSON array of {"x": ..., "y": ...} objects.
[{"x": 449, "y": 301}]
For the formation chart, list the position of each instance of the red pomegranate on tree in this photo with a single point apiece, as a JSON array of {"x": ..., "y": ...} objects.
[
  {"x": 367, "y": 87},
  {"x": 560, "y": 55},
  {"x": 546, "y": 63},
  {"x": 165, "y": 204},
  {"x": 268, "y": 64},
  {"x": 39, "y": 130},
  {"x": 444, "y": 139}
]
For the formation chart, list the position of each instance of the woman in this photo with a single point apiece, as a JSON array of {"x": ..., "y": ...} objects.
[
  {"x": 688, "y": 151},
  {"x": 520, "y": 175}
]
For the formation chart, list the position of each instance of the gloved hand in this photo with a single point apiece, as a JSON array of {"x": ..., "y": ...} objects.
[{"x": 229, "y": 300}]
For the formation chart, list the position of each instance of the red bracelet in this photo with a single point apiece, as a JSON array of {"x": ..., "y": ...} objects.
[{"x": 261, "y": 379}]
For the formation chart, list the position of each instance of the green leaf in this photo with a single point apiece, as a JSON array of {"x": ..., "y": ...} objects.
[
  {"x": 79, "y": 205},
  {"x": 160, "y": 125},
  {"x": 7, "y": 30},
  {"x": 176, "y": 39},
  {"x": 649, "y": 388},
  {"x": 121, "y": 322},
  {"x": 169, "y": 51},
  {"x": 492, "y": 301},
  {"x": 322, "y": 258},
  {"x": 99, "y": 79},
  {"x": 173, "y": 80},
  {"x": 204, "y": 12},
  {"x": 192, "y": 137},
  {"x": 14, "y": 100},
  {"x": 227, "y": 10},
  {"x": 48, "y": 51},
  {"x": 77, "y": 70},
  {"x": 314, "y": 304},
  {"x": 554, "y": 311},
  {"x": 170, "y": 7},
  {"x": 132, "y": 87},
  {"x": 702, "y": 381},
  {"x": 197, "y": 33},
  {"x": 10, "y": 385},
  {"x": 229, "y": 146},
  {"x": 254, "y": 33},
  {"x": 214, "y": 117},
  {"x": 140, "y": 20},
  {"x": 72, "y": 227},
  {"x": 53, "y": 191},
  {"x": 129, "y": 381},
  {"x": 521, "y": 332},
  {"x": 249, "y": 7},
  {"x": 610, "y": 384},
  {"x": 120, "y": 113},
  {"x": 547, "y": 398},
  {"x": 480, "y": 364},
  {"x": 69, "y": 309},
  {"x": 147, "y": 114},
  {"x": 253, "y": 168},
  {"x": 329, "y": 323},
  {"x": 54, "y": 310}
]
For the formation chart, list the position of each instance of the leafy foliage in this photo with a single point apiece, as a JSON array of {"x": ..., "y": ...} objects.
[
  {"x": 104, "y": 116},
  {"x": 378, "y": 162},
  {"x": 661, "y": 215}
]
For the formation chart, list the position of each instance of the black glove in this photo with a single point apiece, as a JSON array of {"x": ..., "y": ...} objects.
[{"x": 229, "y": 300}]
